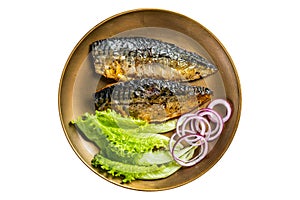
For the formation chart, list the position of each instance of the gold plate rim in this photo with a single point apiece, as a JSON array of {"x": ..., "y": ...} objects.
[{"x": 65, "y": 123}]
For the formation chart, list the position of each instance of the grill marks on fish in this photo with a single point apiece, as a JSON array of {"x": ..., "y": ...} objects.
[
  {"x": 138, "y": 57},
  {"x": 150, "y": 99}
]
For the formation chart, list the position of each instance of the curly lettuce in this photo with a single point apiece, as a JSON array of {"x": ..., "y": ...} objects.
[
  {"x": 130, "y": 148},
  {"x": 126, "y": 140},
  {"x": 130, "y": 172},
  {"x": 112, "y": 119}
]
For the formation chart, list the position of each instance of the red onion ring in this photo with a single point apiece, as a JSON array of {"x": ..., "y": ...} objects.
[
  {"x": 202, "y": 143},
  {"x": 223, "y": 102},
  {"x": 190, "y": 141},
  {"x": 196, "y": 130},
  {"x": 181, "y": 119},
  {"x": 219, "y": 122},
  {"x": 205, "y": 130},
  {"x": 197, "y": 125}
]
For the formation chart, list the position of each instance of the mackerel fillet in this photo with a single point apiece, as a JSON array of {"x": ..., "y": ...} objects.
[
  {"x": 151, "y": 99},
  {"x": 130, "y": 58}
]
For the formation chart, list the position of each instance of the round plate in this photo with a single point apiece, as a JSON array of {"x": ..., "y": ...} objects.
[{"x": 79, "y": 82}]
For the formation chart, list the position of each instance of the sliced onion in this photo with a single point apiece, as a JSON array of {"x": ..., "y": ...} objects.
[
  {"x": 182, "y": 119},
  {"x": 218, "y": 121},
  {"x": 201, "y": 142},
  {"x": 188, "y": 140},
  {"x": 172, "y": 142},
  {"x": 198, "y": 125},
  {"x": 205, "y": 130},
  {"x": 196, "y": 130},
  {"x": 223, "y": 102}
]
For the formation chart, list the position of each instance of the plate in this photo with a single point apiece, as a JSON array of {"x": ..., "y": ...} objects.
[{"x": 79, "y": 81}]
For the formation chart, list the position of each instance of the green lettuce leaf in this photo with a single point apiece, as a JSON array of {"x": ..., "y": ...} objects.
[
  {"x": 126, "y": 141},
  {"x": 130, "y": 172},
  {"x": 130, "y": 148},
  {"x": 110, "y": 118}
]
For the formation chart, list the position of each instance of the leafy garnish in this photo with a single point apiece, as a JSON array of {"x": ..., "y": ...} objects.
[{"x": 130, "y": 148}]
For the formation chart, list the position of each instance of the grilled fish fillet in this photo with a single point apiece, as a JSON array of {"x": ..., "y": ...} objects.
[
  {"x": 138, "y": 57},
  {"x": 151, "y": 99}
]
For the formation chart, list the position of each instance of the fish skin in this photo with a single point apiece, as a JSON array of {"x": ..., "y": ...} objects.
[
  {"x": 151, "y": 100},
  {"x": 129, "y": 58}
]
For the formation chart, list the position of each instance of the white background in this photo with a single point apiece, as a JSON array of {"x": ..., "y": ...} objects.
[{"x": 37, "y": 37}]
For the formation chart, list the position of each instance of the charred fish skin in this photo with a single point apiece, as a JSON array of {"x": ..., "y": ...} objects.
[
  {"x": 150, "y": 99},
  {"x": 128, "y": 58}
]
